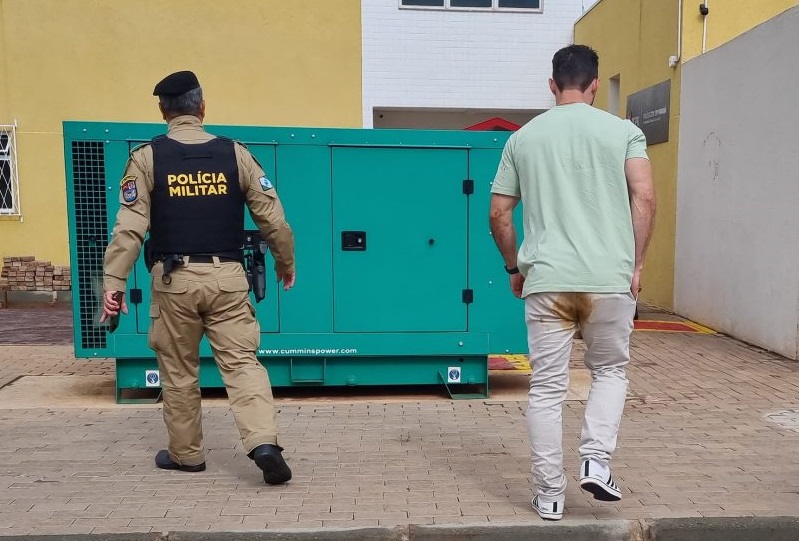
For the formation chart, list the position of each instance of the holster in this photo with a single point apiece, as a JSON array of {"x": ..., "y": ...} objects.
[
  {"x": 255, "y": 266},
  {"x": 149, "y": 256},
  {"x": 170, "y": 260}
]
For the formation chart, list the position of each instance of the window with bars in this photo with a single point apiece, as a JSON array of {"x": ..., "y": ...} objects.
[
  {"x": 486, "y": 5},
  {"x": 9, "y": 177}
]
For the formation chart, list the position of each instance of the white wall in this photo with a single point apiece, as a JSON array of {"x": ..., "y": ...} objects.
[
  {"x": 461, "y": 59},
  {"x": 737, "y": 250}
]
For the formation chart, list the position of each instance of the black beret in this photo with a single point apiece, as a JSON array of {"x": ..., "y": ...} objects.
[{"x": 176, "y": 84}]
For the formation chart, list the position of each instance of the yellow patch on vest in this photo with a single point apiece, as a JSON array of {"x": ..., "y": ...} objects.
[{"x": 199, "y": 184}]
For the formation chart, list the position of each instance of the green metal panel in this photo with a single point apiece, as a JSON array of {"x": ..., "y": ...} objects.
[
  {"x": 305, "y": 189},
  {"x": 281, "y": 136},
  {"x": 495, "y": 310},
  {"x": 410, "y": 207}
]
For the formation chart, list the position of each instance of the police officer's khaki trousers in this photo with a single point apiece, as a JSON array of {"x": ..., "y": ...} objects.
[
  {"x": 606, "y": 322},
  {"x": 210, "y": 298}
]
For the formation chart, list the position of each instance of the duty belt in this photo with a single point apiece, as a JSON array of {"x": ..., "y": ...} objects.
[{"x": 170, "y": 260}]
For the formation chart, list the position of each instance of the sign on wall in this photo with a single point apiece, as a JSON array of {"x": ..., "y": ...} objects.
[{"x": 649, "y": 110}]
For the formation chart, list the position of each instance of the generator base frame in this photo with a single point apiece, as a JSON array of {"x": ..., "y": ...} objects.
[{"x": 460, "y": 377}]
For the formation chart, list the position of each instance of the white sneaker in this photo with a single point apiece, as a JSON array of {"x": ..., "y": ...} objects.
[
  {"x": 597, "y": 480},
  {"x": 548, "y": 510}
]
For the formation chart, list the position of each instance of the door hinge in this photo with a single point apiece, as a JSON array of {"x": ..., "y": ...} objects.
[
  {"x": 468, "y": 186},
  {"x": 467, "y": 296},
  {"x": 135, "y": 296}
]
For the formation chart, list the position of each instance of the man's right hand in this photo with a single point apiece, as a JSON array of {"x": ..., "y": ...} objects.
[
  {"x": 113, "y": 302},
  {"x": 642, "y": 208},
  {"x": 288, "y": 279},
  {"x": 517, "y": 284},
  {"x": 635, "y": 286}
]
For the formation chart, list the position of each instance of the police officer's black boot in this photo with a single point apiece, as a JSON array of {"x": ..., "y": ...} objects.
[
  {"x": 269, "y": 458},
  {"x": 163, "y": 461}
]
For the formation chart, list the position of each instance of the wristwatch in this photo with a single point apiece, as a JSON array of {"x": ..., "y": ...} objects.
[{"x": 514, "y": 270}]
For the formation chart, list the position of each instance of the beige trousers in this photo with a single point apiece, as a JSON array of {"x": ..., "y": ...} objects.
[
  {"x": 606, "y": 322},
  {"x": 208, "y": 298}
]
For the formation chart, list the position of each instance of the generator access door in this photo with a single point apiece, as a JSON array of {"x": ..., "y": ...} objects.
[{"x": 400, "y": 226}]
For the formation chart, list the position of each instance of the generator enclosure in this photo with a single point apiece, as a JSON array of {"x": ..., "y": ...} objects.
[{"x": 399, "y": 281}]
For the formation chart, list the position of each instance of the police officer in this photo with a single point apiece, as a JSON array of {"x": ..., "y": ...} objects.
[{"x": 189, "y": 188}]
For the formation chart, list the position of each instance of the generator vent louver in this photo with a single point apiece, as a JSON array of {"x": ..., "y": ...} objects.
[{"x": 91, "y": 236}]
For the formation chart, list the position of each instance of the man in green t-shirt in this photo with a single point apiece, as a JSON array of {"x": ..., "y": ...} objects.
[{"x": 588, "y": 200}]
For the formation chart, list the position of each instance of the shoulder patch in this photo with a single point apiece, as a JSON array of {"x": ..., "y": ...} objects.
[
  {"x": 265, "y": 184},
  {"x": 128, "y": 187},
  {"x": 126, "y": 178}
]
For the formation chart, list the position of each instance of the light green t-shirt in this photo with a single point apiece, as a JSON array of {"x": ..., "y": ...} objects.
[{"x": 567, "y": 165}]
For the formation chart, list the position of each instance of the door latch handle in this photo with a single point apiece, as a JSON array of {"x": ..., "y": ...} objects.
[{"x": 353, "y": 241}]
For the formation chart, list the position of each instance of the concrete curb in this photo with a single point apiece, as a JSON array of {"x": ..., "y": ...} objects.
[
  {"x": 671, "y": 529},
  {"x": 88, "y": 537},
  {"x": 723, "y": 529},
  {"x": 348, "y": 534},
  {"x": 565, "y": 530}
]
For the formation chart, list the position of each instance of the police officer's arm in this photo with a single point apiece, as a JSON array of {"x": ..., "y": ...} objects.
[
  {"x": 267, "y": 212},
  {"x": 132, "y": 222}
]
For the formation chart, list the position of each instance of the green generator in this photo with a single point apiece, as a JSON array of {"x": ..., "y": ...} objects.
[{"x": 398, "y": 278}]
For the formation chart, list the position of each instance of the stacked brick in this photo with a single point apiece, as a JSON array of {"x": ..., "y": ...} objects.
[{"x": 27, "y": 274}]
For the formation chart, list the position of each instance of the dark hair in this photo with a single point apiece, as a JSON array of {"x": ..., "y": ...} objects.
[
  {"x": 185, "y": 104},
  {"x": 575, "y": 66}
]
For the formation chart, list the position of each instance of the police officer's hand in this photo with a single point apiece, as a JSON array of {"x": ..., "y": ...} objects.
[
  {"x": 113, "y": 302},
  {"x": 288, "y": 279},
  {"x": 517, "y": 283}
]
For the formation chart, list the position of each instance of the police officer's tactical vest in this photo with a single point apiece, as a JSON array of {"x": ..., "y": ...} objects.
[{"x": 197, "y": 206}]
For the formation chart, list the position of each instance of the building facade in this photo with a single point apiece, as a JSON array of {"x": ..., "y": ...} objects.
[
  {"x": 438, "y": 64},
  {"x": 720, "y": 60}
]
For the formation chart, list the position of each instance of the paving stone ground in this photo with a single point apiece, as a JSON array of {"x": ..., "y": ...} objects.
[{"x": 711, "y": 428}]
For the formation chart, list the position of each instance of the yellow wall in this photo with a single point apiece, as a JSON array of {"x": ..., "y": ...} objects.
[
  {"x": 726, "y": 20},
  {"x": 634, "y": 39},
  {"x": 260, "y": 62}
]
